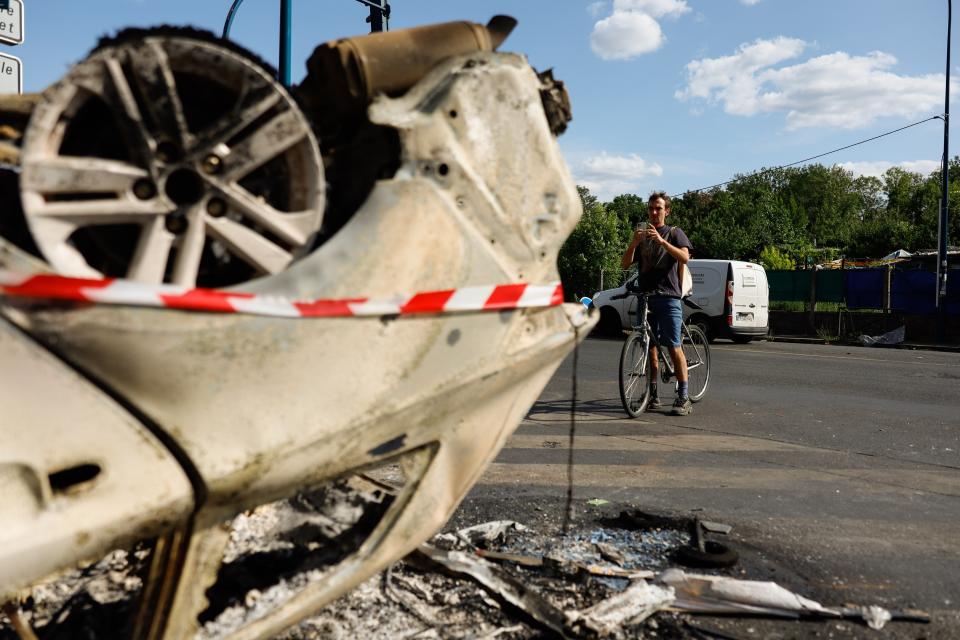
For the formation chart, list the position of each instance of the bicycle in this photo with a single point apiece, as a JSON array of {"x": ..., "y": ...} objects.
[{"x": 636, "y": 368}]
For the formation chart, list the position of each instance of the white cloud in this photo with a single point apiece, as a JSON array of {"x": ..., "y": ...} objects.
[
  {"x": 749, "y": 3},
  {"x": 734, "y": 79},
  {"x": 610, "y": 175},
  {"x": 653, "y": 8},
  {"x": 632, "y": 28},
  {"x": 833, "y": 90},
  {"x": 625, "y": 35},
  {"x": 596, "y": 8},
  {"x": 878, "y": 168}
]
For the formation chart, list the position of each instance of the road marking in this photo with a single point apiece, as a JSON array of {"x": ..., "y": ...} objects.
[
  {"x": 889, "y": 535},
  {"x": 811, "y": 355},
  {"x": 702, "y": 443},
  {"x": 662, "y": 474}
]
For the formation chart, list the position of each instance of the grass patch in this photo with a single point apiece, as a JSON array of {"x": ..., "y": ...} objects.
[
  {"x": 829, "y": 306},
  {"x": 827, "y": 335},
  {"x": 787, "y": 305},
  {"x": 800, "y": 305}
]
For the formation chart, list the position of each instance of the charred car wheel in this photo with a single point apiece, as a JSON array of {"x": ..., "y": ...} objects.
[{"x": 169, "y": 157}]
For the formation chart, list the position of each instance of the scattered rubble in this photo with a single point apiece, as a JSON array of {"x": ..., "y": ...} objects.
[{"x": 609, "y": 578}]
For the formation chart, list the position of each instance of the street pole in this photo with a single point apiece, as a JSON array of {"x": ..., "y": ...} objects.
[
  {"x": 286, "y": 20},
  {"x": 944, "y": 197}
]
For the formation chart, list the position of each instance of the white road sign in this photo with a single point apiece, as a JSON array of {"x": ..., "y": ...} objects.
[
  {"x": 11, "y": 23},
  {"x": 11, "y": 74}
]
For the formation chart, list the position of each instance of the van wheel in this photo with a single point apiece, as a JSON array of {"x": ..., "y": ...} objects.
[
  {"x": 741, "y": 339},
  {"x": 609, "y": 324},
  {"x": 704, "y": 326}
]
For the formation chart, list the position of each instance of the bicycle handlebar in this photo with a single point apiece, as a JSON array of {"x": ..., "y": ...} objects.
[{"x": 687, "y": 301}]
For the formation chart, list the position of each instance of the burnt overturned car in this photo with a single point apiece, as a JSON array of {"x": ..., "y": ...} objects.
[{"x": 216, "y": 294}]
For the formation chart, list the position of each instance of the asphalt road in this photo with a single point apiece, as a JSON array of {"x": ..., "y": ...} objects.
[{"x": 838, "y": 467}]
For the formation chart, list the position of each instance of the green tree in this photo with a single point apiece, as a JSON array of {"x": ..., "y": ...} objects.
[
  {"x": 629, "y": 209},
  {"x": 596, "y": 244},
  {"x": 810, "y": 213}
]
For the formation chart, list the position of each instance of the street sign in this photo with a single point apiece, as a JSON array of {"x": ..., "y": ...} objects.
[
  {"x": 11, "y": 22},
  {"x": 11, "y": 74}
]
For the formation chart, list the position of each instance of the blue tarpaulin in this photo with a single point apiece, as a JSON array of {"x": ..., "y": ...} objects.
[
  {"x": 864, "y": 287},
  {"x": 913, "y": 291}
]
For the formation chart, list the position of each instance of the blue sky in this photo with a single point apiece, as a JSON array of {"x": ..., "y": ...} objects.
[{"x": 667, "y": 94}]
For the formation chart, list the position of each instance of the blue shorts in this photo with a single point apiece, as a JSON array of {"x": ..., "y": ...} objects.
[{"x": 666, "y": 315}]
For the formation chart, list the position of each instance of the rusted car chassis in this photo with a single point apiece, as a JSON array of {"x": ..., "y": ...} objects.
[{"x": 169, "y": 161}]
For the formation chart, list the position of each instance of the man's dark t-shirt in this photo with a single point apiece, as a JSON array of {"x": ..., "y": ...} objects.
[{"x": 661, "y": 279}]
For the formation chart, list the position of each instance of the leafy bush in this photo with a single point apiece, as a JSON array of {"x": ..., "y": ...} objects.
[{"x": 773, "y": 260}]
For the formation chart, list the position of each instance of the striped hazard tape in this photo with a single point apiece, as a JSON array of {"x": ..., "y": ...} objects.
[{"x": 126, "y": 292}]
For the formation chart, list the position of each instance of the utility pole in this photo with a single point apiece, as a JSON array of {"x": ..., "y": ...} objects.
[
  {"x": 379, "y": 18},
  {"x": 942, "y": 228}
]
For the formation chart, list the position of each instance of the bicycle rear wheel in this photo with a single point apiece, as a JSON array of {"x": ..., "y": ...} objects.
[
  {"x": 635, "y": 374},
  {"x": 697, "y": 352}
]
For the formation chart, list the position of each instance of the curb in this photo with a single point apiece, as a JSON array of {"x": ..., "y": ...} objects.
[
  {"x": 796, "y": 340},
  {"x": 947, "y": 348}
]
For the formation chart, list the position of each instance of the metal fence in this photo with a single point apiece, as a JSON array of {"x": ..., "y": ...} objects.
[{"x": 881, "y": 288}]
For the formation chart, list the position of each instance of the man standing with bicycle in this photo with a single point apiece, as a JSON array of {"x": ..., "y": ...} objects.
[{"x": 659, "y": 251}]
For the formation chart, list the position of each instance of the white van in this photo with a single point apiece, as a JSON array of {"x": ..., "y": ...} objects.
[{"x": 734, "y": 298}]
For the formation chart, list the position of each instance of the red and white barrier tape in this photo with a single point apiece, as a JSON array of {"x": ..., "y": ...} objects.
[{"x": 126, "y": 292}]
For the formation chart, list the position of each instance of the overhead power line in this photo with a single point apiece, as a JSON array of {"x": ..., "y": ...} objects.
[{"x": 819, "y": 155}]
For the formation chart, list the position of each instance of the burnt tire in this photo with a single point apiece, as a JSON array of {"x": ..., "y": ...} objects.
[{"x": 715, "y": 555}]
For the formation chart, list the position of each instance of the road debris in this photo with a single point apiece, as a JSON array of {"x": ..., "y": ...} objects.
[
  {"x": 719, "y": 594},
  {"x": 498, "y": 579},
  {"x": 715, "y": 527},
  {"x": 511, "y": 590},
  {"x": 896, "y": 336},
  {"x": 489, "y": 531},
  {"x": 707, "y": 594},
  {"x": 607, "y": 618}
]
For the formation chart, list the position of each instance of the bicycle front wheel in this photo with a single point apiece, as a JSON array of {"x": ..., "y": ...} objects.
[
  {"x": 635, "y": 374},
  {"x": 697, "y": 352}
]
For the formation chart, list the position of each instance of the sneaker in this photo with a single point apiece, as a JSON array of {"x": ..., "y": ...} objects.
[
  {"x": 654, "y": 403},
  {"x": 681, "y": 407}
]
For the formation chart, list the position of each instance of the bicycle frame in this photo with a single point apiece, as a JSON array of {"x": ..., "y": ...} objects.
[
  {"x": 636, "y": 368},
  {"x": 666, "y": 361}
]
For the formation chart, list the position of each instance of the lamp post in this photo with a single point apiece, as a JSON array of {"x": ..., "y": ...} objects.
[
  {"x": 942, "y": 229},
  {"x": 379, "y": 16}
]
